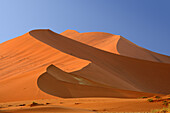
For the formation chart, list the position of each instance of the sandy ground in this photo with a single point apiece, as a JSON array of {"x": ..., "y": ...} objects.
[{"x": 81, "y": 105}]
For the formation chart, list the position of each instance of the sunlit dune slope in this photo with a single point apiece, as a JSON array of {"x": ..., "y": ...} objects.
[
  {"x": 25, "y": 53},
  {"x": 26, "y": 74},
  {"x": 22, "y": 87},
  {"x": 22, "y": 60},
  {"x": 115, "y": 44}
]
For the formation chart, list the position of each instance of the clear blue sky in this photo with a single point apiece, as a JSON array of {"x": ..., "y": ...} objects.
[{"x": 144, "y": 22}]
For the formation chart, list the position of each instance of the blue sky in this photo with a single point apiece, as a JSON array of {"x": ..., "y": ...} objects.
[{"x": 144, "y": 22}]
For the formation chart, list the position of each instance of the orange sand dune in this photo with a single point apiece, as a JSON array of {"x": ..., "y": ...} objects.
[
  {"x": 23, "y": 59},
  {"x": 115, "y": 44},
  {"x": 25, "y": 53},
  {"x": 84, "y": 65},
  {"x": 136, "y": 74},
  {"x": 61, "y": 84}
]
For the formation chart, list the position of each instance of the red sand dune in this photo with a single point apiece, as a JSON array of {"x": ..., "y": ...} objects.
[{"x": 44, "y": 65}]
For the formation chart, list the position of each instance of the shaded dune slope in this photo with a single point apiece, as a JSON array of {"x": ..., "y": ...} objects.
[
  {"x": 115, "y": 44},
  {"x": 85, "y": 64},
  {"x": 67, "y": 85}
]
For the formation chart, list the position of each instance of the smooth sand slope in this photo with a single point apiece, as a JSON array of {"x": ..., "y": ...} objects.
[{"x": 45, "y": 65}]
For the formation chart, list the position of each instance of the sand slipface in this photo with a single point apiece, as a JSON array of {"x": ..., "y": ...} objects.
[
  {"x": 42, "y": 64},
  {"x": 115, "y": 44}
]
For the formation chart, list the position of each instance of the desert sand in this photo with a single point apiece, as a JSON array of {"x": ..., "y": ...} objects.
[{"x": 80, "y": 72}]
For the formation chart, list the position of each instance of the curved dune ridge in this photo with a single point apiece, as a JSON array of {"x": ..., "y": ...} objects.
[
  {"x": 91, "y": 64},
  {"x": 115, "y": 44},
  {"x": 68, "y": 85}
]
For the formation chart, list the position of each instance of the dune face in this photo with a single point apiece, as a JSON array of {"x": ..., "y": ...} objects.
[
  {"x": 103, "y": 41},
  {"x": 44, "y": 65},
  {"x": 115, "y": 44},
  {"x": 67, "y": 85},
  {"x": 23, "y": 59}
]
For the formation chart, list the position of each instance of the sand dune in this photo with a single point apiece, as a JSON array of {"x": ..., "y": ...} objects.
[
  {"x": 23, "y": 59},
  {"x": 76, "y": 86},
  {"x": 132, "y": 71},
  {"x": 115, "y": 44},
  {"x": 45, "y": 65},
  {"x": 25, "y": 53}
]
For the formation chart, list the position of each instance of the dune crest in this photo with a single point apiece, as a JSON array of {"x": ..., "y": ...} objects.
[{"x": 115, "y": 44}]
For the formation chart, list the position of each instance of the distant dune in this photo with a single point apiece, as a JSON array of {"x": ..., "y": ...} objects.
[{"x": 42, "y": 64}]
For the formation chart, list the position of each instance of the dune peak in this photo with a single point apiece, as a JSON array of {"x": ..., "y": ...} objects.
[
  {"x": 39, "y": 30},
  {"x": 69, "y": 31}
]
